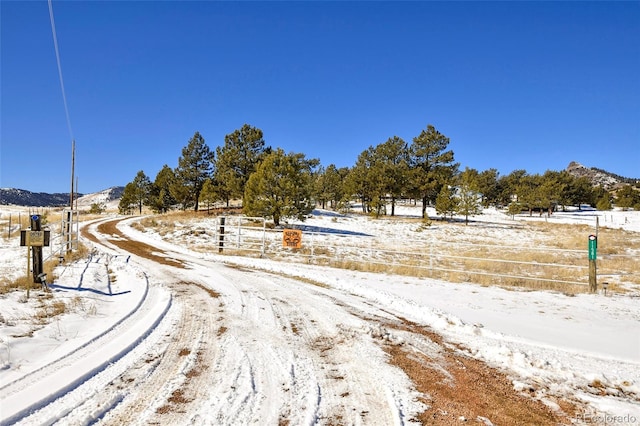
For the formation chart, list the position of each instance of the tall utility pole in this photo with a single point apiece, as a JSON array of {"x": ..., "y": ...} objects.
[
  {"x": 73, "y": 160},
  {"x": 68, "y": 222}
]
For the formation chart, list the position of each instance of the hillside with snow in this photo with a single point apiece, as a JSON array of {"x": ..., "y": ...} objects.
[
  {"x": 599, "y": 177},
  {"x": 21, "y": 197}
]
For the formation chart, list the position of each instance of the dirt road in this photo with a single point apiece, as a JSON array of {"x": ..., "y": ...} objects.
[{"x": 239, "y": 346}]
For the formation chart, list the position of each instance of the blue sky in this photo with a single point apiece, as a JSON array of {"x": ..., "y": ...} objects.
[{"x": 514, "y": 85}]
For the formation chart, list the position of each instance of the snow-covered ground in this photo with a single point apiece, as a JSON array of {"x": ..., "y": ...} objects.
[{"x": 121, "y": 310}]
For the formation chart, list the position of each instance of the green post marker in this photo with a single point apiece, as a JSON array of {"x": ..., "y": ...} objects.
[{"x": 593, "y": 246}]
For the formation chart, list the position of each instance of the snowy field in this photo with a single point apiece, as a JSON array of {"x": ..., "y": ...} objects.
[{"x": 122, "y": 313}]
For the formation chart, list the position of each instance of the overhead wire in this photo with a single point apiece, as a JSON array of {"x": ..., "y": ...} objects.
[{"x": 64, "y": 95}]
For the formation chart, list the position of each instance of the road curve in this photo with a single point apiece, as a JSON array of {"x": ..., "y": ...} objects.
[{"x": 232, "y": 345}]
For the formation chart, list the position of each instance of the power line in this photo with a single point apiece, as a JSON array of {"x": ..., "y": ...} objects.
[
  {"x": 55, "y": 44},
  {"x": 66, "y": 108}
]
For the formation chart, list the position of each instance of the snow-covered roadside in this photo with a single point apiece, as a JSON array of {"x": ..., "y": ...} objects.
[
  {"x": 587, "y": 346},
  {"x": 545, "y": 340},
  {"x": 109, "y": 309}
]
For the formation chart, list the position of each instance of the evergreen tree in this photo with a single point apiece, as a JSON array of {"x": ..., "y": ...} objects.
[
  {"x": 577, "y": 191},
  {"x": 320, "y": 191},
  {"x": 604, "y": 203},
  {"x": 527, "y": 193},
  {"x": 280, "y": 187},
  {"x": 97, "y": 208},
  {"x": 627, "y": 197},
  {"x": 136, "y": 194},
  {"x": 362, "y": 181},
  {"x": 237, "y": 160},
  {"x": 468, "y": 195},
  {"x": 142, "y": 190},
  {"x": 209, "y": 194},
  {"x": 552, "y": 190},
  {"x": 195, "y": 166},
  {"x": 509, "y": 186},
  {"x": 432, "y": 165},
  {"x": 488, "y": 187},
  {"x": 446, "y": 202},
  {"x": 392, "y": 158},
  {"x": 598, "y": 193},
  {"x": 161, "y": 199},
  {"x": 328, "y": 186},
  {"x": 514, "y": 209},
  {"x": 128, "y": 199}
]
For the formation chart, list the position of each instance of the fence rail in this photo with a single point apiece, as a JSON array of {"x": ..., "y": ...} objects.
[{"x": 530, "y": 266}]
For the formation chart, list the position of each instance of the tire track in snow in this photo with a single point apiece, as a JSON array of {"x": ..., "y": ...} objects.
[
  {"x": 73, "y": 369},
  {"x": 159, "y": 390},
  {"x": 331, "y": 369},
  {"x": 179, "y": 378},
  {"x": 288, "y": 355}
]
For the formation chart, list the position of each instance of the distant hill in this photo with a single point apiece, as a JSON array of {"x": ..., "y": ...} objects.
[
  {"x": 21, "y": 197},
  {"x": 599, "y": 177},
  {"x": 104, "y": 197}
]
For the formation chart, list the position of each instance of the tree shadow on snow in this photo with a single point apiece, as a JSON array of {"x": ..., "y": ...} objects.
[
  {"x": 328, "y": 213},
  {"x": 322, "y": 230},
  {"x": 91, "y": 290}
]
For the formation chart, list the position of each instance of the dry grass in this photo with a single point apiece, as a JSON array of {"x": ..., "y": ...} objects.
[
  {"x": 537, "y": 255},
  {"x": 80, "y": 252},
  {"x": 161, "y": 225},
  {"x": 81, "y": 304},
  {"x": 48, "y": 310},
  {"x": 7, "y": 285},
  {"x": 575, "y": 237},
  {"x": 48, "y": 267}
]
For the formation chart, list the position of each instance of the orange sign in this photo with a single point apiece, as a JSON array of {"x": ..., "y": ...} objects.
[{"x": 292, "y": 238}]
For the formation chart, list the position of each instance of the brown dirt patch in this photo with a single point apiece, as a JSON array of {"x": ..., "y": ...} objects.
[
  {"x": 472, "y": 391},
  {"x": 135, "y": 247}
]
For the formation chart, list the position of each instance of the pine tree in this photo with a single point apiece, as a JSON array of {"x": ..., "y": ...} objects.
[
  {"x": 161, "y": 198},
  {"x": 392, "y": 158},
  {"x": 136, "y": 194},
  {"x": 328, "y": 186},
  {"x": 488, "y": 187},
  {"x": 142, "y": 190},
  {"x": 209, "y": 194},
  {"x": 514, "y": 209},
  {"x": 446, "y": 202},
  {"x": 280, "y": 187},
  {"x": 128, "y": 199},
  {"x": 195, "y": 166},
  {"x": 509, "y": 185},
  {"x": 627, "y": 197},
  {"x": 604, "y": 203},
  {"x": 431, "y": 163},
  {"x": 468, "y": 196},
  {"x": 237, "y": 159},
  {"x": 362, "y": 180}
]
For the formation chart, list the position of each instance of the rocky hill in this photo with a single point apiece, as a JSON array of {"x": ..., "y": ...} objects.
[
  {"x": 21, "y": 197},
  {"x": 599, "y": 177},
  {"x": 105, "y": 198}
]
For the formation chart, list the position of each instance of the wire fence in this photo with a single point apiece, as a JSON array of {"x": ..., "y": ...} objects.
[
  {"x": 63, "y": 233},
  {"x": 524, "y": 265},
  {"x": 528, "y": 265}
]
